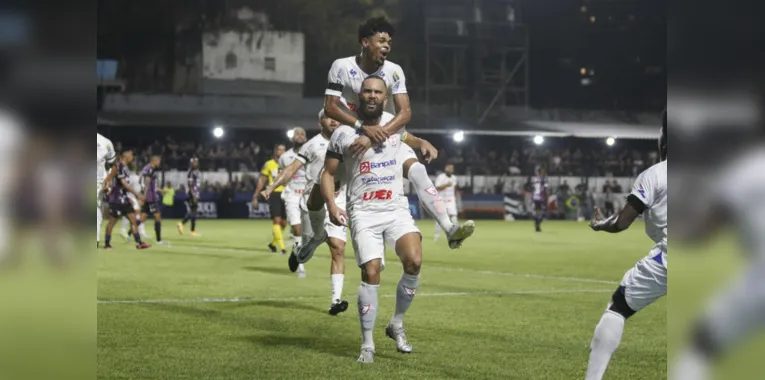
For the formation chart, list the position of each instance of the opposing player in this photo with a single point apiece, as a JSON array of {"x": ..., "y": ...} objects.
[
  {"x": 193, "y": 181},
  {"x": 647, "y": 280},
  {"x": 293, "y": 190},
  {"x": 134, "y": 180},
  {"x": 378, "y": 214},
  {"x": 151, "y": 195},
  {"x": 344, "y": 85},
  {"x": 539, "y": 191},
  {"x": 118, "y": 183},
  {"x": 105, "y": 157},
  {"x": 311, "y": 160},
  {"x": 275, "y": 203},
  {"x": 446, "y": 184}
]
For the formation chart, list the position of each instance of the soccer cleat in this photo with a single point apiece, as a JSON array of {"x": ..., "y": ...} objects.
[
  {"x": 107, "y": 247},
  {"x": 367, "y": 356},
  {"x": 399, "y": 335},
  {"x": 284, "y": 251},
  {"x": 272, "y": 247},
  {"x": 180, "y": 228},
  {"x": 338, "y": 307},
  {"x": 458, "y": 234},
  {"x": 292, "y": 262},
  {"x": 162, "y": 242},
  {"x": 306, "y": 251},
  {"x": 194, "y": 234},
  {"x": 142, "y": 246},
  {"x": 301, "y": 273}
]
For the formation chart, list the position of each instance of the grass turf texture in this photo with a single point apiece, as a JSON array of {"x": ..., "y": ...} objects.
[{"x": 511, "y": 304}]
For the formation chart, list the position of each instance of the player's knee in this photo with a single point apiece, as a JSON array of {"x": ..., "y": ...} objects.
[
  {"x": 315, "y": 201},
  {"x": 408, "y": 165},
  {"x": 370, "y": 272},
  {"x": 337, "y": 249},
  {"x": 619, "y": 304}
]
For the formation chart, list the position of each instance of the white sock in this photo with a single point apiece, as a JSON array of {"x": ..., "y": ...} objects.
[
  {"x": 337, "y": 286},
  {"x": 305, "y": 223},
  {"x": 608, "y": 334},
  {"x": 428, "y": 195},
  {"x": 437, "y": 233},
  {"x": 142, "y": 229},
  {"x": 367, "y": 303},
  {"x": 125, "y": 222},
  {"x": 301, "y": 268},
  {"x": 317, "y": 221},
  {"x": 405, "y": 290},
  {"x": 691, "y": 365},
  {"x": 99, "y": 220}
]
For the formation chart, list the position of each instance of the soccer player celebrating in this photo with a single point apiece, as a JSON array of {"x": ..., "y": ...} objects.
[
  {"x": 446, "y": 184},
  {"x": 378, "y": 214},
  {"x": 193, "y": 181},
  {"x": 105, "y": 156},
  {"x": 293, "y": 190},
  {"x": 539, "y": 197},
  {"x": 119, "y": 204},
  {"x": 275, "y": 203},
  {"x": 647, "y": 280},
  {"x": 310, "y": 158},
  {"x": 151, "y": 195},
  {"x": 345, "y": 79}
]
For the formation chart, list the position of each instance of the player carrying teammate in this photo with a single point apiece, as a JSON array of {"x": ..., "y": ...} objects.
[
  {"x": 344, "y": 85},
  {"x": 647, "y": 280},
  {"x": 293, "y": 191},
  {"x": 151, "y": 195},
  {"x": 105, "y": 156},
  {"x": 378, "y": 214},
  {"x": 275, "y": 203},
  {"x": 118, "y": 183},
  {"x": 539, "y": 192},
  {"x": 446, "y": 184},
  {"x": 193, "y": 181}
]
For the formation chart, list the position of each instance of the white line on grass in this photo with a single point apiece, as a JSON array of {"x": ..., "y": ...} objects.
[
  {"x": 255, "y": 299},
  {"x": 447, "y": 269}
]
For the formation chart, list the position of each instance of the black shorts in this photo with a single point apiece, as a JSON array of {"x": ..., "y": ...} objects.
[
  {"x": 118, "y": 210},
  {"x": 150, "y": 208},
  {"x": 193, "y": 203},
  {"x": 276, "y": 206},
  {"x": 539, "y": 205}
]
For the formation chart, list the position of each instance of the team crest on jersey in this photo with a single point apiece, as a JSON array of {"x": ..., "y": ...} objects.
[
  {"x": 353, "y": 72},
  {"x": 364, "y": 309},
  {"x": 364, "y": 167},
  {"x": 641, "y": 190}
]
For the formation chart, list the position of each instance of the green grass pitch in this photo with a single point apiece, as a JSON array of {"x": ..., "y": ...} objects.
[{"x": 510, "y": 304}]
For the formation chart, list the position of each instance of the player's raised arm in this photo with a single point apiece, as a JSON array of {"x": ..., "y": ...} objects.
[
  {"x": 640, "y": 199},
  {"x": 282, "y": 179},
  {"x": 426, "y": 148}
]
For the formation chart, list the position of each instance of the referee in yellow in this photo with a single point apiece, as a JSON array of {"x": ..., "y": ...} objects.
[{"x": 276, "y": 205}]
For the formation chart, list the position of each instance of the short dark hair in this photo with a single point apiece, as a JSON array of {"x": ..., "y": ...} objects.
[
  {"x": 375, "y": 25},
  {"x": 373, "y": 76}
]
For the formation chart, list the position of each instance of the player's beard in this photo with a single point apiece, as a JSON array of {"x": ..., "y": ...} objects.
[{"x": 374, "y": 114}]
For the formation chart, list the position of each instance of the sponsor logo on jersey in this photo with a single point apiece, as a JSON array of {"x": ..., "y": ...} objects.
[
  {"x": 395, "y": 76},
  {"x": 641, "y": 190},
  {"x": 364, "y": 167},
  {"x": 396, "y": 86},
  {"x": 379, "y": 195},
  {"x": 378, "y": 180},
  {"x": 381, "y": 74},
  {"x": 353, "y": 72},
  {"x": 340, "y": 75}
]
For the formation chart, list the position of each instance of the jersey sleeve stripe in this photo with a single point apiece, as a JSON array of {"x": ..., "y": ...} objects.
[
  {"x": 335, "y": 87},
  {"x": 636, "y": 203},
  {"x": 335, "y": 155},
  {"x": 302, "y": 158}
]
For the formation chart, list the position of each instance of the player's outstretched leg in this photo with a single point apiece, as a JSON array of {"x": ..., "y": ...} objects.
[
  {"x": 337, "y": 274},
  {"x": 317, "y": 214},
  {"x": 409, "y": 250},
  {"x": 367, "y": 304},
  {"x": 428, "y": 195}
]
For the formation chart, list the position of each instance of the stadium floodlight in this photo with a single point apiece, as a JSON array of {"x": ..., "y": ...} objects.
[
  {"x": 538, "y": 139},
  {"x": 458, "y": 136},
  {"x": 290, "y": 133},
  {"x": 218, "y": 132},
  {"x": 610, "y": 141}
]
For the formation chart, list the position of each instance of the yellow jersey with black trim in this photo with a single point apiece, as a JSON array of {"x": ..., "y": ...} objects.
[{"x": 271, "y": 170}]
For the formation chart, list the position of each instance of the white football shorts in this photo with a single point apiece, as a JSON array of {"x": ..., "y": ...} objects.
[
  {"x": 646, "y": 281},
  {"x": 372, "y": 231}
]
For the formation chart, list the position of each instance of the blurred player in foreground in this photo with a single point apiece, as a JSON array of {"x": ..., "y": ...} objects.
[
  {"x": 344, "y": 87},
  {"x": 118, "y": 183},
  {"x": 736, "y": 313},
  {"x": 105, "y": 156},
  {"x": 151, "y": 195},
  {"x": 647, "y": 280},
  {"x": 275, "y": 203},
  {"x": 293, "y": 190},
  {"x": 378, "y": 214},
  {"x": 311, "y": 160},
  {"x": 446, "y": 184},
  {"x": 193, "y": 181}
]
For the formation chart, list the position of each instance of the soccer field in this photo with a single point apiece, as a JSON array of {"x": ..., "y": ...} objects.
[{"x": 510, "y": 304}]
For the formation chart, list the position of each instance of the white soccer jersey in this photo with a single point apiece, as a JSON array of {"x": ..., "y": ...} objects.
[
  {"x": 104, "y": 154},
  {"x": 312, "y": 156},
  {"x": 345, "y": 77},
  {"x": 447, "y": 194},
  {"x": 740, "y": 190},
  {"x": 375, "y": 181},
  {"x": 296, "y": 185},
  {"x": 651, "y": 188}
]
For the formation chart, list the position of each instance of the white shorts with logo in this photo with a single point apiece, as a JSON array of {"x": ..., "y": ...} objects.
[
  {"x": 647, "y": 280},
  {"x": 372, "y": 231},
  {"x": 451, "y": 207},
  {"x": 292, "y": 205}
]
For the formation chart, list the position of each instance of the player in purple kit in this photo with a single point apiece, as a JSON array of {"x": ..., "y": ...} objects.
[
  {"x": 539, "y": 197},
  {"x": 193, "y": 178},
  {"x": 151, "y": 195},
  {"x": 117, "y": 183}
]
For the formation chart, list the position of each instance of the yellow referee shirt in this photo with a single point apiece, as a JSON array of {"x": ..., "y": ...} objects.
[{"x": 271, "y": 170}]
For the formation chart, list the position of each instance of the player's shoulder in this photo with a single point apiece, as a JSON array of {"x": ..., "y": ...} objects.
[
  {"x": 656, "y": 174},
  {"x": 390, "y": 68},
  {"x": 343, "y": 64},
  {"x": 342, "y": 133},
  {"x": 386, "y": 117}
]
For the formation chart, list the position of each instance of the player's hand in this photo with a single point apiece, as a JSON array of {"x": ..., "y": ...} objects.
[
  {"x": 429, "y": 152},
  {"x": 265, "y": 194},
  {"x": 360, "y": 146},
  {"x": 140, "y": 198},
  {"x": 338, "y": 217},
  {"x": 255, "y": 204},
  {"x": 596, "y": 223},
  {"x": 375, "y": 133}
]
